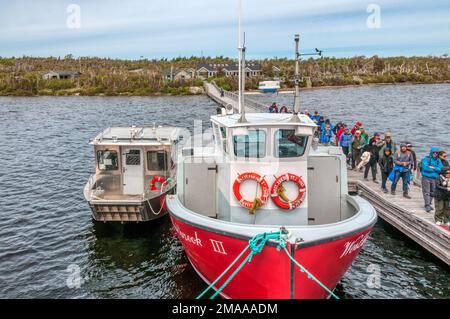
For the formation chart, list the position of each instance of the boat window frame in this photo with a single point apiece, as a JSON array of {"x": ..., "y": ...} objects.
[
  {"x": 166, "y": 162},
  {"x": 116, "y": 166},
  {"x": 276, "y": 149},
  {"x": 129, "y": 155},
  {"x": 264, "y": 131}
]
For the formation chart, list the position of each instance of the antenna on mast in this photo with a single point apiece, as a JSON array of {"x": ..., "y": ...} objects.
[
  {"x": 297, "y": 77},
  {"x": 241, "y": 65}
]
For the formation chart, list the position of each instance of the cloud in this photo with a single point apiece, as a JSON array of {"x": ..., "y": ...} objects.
[{"x": 170, "y": 28}]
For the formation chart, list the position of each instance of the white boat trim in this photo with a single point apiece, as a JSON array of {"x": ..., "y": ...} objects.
[{"x": 365, "y": 218}]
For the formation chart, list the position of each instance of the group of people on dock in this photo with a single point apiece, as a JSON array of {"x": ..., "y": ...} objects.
[{"x": 365, "y": 153}]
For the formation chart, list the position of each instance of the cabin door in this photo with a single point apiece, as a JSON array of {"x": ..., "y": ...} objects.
[{"x": 133, "y": 171}]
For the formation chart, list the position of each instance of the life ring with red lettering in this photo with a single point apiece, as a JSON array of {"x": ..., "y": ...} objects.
[
  {"x": 278, "y": 196},
  {"x": 250, "y": 176},
  {"x": 157, "y": 179}
]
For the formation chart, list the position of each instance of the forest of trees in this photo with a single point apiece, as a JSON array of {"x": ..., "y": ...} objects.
[{"x": 100, "y": 76}]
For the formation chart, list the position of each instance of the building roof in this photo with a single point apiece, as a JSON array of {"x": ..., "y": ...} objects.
[
  {"x": 64, "y": 73},
  {"x": 176, "y": 71},
  {"x": 212, "y": 67},
  {"x": 248, "y": 66}
]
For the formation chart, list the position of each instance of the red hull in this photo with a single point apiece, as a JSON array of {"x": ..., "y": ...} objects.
[{"x": 270, "y": 274}]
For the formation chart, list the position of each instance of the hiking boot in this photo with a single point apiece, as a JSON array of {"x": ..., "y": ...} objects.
[{"x": 406, "y": 195}]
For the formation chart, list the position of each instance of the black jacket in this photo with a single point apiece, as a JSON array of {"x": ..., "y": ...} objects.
[
  {"x": 374, "y": 151},
  {"x": 441, "y": 192},
  {"x": 386, "y": 163}
]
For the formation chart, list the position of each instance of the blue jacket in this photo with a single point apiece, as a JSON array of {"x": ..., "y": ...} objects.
[
  {"x": 326, "y": 136},
  {"x": 345, "y": 140},
  {"x": 430, "y": 161},
  {"x": 322, "y": 126}
]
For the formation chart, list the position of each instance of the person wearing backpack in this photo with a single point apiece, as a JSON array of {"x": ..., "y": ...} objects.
[
  {"x": 402, "y": 161},
  {"x": 431, "y": 167},
  {"x": 442, "y": 197}
]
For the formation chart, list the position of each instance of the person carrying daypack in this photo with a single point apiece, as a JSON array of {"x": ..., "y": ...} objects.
[
  {"x": 430, "y": 168},
  {"x": 441, "y": 198},
  {"x": 402, "y": 168}
]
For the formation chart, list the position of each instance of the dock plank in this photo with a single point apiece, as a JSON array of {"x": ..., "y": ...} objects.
[{"x": 407, "y": 215}]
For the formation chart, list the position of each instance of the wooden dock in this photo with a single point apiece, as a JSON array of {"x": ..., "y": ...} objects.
[
  {"x": 406, "y": 215},
  {"x": 230, "y": 99}
]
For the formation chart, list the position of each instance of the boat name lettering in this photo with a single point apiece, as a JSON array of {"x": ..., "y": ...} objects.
[
  {"x": 351, "y": 246},
  {"x": 189, "y": 238}
]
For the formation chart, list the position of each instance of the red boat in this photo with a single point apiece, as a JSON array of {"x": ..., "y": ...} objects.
[
  {"x": 327, "y": 227},
  {"x": 265, "y": 212}
]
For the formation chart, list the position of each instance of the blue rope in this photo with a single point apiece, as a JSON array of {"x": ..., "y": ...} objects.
[
  {"x": 256, "y": 245},
  {"x": 310, "y": 276},
  {"x": 223, "y": 273}
]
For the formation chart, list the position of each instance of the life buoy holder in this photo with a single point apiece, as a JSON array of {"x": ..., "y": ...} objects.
[
  {"x": 251, "y": 176},
  {"x": 277, "y": 191},
  {"x": 157, "y": 179}
]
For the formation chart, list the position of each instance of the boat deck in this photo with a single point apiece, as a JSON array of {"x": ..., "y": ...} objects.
[{"x": 407, "y": 215}]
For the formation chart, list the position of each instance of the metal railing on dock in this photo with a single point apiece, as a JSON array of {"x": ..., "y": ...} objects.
[{"x": 230, "y": 98}]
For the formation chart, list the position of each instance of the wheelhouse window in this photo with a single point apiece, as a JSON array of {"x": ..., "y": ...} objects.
[
  {"x": 107, "y": 160},
  {"x": 133, "y": 157},
  {"x": 252, "y": 145},
  {"x": 157, "y": 160},
  {"x": 287, "y": 144}
]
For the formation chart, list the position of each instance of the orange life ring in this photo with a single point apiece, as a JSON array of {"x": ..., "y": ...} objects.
[
  {"x": 157, "y": 179},
  {"x": 301, "y": 191},
  {"x": 250, "y": 176}
]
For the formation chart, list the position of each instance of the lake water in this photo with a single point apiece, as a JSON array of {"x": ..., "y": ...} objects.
[{"x": 46, "y": 230}]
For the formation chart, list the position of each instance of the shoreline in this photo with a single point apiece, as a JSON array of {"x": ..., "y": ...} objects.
[{"x": 249, "y": 92}]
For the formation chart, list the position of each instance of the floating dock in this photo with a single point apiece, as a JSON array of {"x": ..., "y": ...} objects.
[{"x": 406, "y": 215}]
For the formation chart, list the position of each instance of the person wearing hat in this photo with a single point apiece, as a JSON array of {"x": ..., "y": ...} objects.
[
  {"x": 356, "y": 147},
  {"x": 345, "y": 140},
  {"x": 356, "y": 127},
  {"x": 431, "y": 167},
  {"x": 402, "y": 161},
  {"x": 442, "y": 197},
  {"x": 364, "y": 134},
  {"x": 387, "y": 142}
]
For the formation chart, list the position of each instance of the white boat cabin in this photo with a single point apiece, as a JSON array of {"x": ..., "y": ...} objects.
[
  {"x": 128, "y": 158},
  {"x": 270, "y": 145}
]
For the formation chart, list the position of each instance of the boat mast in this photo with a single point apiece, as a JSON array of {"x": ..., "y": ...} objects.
[
  {"x": 297, "y": 76},
  {"x": 241, "y": 66}
]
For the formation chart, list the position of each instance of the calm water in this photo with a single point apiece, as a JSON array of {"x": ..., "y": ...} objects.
[{"x": 46, "y": 225}]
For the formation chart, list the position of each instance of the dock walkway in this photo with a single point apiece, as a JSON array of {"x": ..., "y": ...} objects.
[
  {"x": 407, "y": 215},
  {"x": 230, "y": 99}
]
